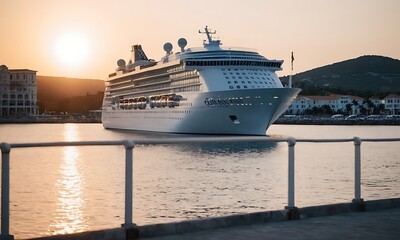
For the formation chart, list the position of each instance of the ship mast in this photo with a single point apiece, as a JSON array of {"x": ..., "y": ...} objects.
[
  {"x": 291, "y": 72},
  {"x": 209, "y": 34}
]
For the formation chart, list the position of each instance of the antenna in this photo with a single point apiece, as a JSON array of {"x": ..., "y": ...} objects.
[{"x": 208, "y": 32}]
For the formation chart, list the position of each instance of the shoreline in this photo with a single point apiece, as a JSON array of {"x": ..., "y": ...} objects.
[
  {"x": 41, "y": 121},
  {"x": 280, "y": 121},
  {"x": 332, "y": 121}
]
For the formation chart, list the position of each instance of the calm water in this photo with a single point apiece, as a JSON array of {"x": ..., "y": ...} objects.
[{"x": 72, "y": 189}]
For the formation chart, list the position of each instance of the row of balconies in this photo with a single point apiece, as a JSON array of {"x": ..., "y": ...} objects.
[{"x": 17, "y": 103}]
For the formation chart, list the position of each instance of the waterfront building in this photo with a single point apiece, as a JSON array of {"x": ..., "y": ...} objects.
[
  {"x": 337, "y": 103},
  {"x": 300, "y": 105},
  {"x": 18, "y": 93},
  {"x": 376, "y": 101},
  {"x": 392, "y": 104}
]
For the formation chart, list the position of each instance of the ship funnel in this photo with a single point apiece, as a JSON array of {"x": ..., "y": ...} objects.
[{"x": 138, "y": 53}]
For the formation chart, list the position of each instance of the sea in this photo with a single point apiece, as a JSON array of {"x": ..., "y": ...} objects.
[{"x": 59, "y": 190}]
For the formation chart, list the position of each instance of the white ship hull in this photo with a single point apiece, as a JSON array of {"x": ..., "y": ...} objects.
[{"x": 243, "y": 112}]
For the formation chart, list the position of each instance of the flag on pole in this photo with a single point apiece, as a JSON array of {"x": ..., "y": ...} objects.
[{"x": 292, "y": 60}]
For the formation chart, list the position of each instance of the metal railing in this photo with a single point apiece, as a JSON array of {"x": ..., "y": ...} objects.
[{"x": 130, "y": 143}]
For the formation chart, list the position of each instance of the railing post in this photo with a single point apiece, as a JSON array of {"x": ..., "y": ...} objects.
[
  {"x": 358, "y": 202},
  {"x": 293, "y": 212},
  {"x": 128, "y": 183},
  {"x": 5, "y": 192},
  {"x": 357, "y": 168}
]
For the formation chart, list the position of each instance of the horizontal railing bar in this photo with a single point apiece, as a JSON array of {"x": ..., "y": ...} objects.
[
  {"x": 199, "y": 139},
  {"x": 381, "y": 140},
  {"x": 348, "y": 140},
  {"x": 209, "y": 139},
  {"x": 150, "y": 141},
  {"x": 67, "y": 144},
  {"x": 325, "y": 140}
]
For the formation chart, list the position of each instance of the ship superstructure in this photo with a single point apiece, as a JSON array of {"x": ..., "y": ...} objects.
[{"x": 207, "y": 90}]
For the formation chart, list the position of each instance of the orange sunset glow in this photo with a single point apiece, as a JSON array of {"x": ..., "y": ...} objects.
[{"x": 86, "y": 38}]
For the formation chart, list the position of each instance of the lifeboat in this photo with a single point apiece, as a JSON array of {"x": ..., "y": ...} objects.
[
  {"x": 142, "y": 102},
  {"x": 173, "y": 100},
  {"x": 135, "y": 103},
  {"x": 153, "y": 101},
  {"x": 124, "y": 103}
]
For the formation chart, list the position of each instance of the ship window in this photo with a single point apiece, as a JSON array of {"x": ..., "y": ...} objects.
[
  {"x": 229, "y": 82},
  {"x": 231, "y": 87},
  {"x": 245, "y": 86},
  {"x": 238, "y": 87},
  {"x": 226, "y": 77},
  {"x": 235, "y": 81}
]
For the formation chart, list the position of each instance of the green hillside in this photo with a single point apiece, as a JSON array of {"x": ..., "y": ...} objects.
[{"x": 374, "y": 74}]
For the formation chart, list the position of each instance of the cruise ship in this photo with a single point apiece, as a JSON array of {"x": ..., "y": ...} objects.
[{"x": 204, "y": 90}]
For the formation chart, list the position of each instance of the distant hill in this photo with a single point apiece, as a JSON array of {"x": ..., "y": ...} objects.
[
  {"x": 374, "y": 74},
  {"x": 54, "y": 92}
]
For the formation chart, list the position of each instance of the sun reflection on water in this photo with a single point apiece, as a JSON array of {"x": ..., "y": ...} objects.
[{"x": 69, "y": 217}]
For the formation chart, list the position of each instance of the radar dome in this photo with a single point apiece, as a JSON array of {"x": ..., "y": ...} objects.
[
  {"x": 168, "y": 47},
  {"x": 121, "y": 63},
  {"x": 182, "y": 44}
]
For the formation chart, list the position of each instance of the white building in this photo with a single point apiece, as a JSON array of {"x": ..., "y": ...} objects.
[
  {"x": 300, "y": 105},
  {"x": 392, "y": 104},
  {"x": 377, "y": 101},
  {"x": 18, "y": 93},
  {"x": 334, "y": 101}
]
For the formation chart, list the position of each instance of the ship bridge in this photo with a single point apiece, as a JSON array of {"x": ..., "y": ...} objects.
[
  {"x": 230, "y": 58},
  {"x": 212, "y": 54}
]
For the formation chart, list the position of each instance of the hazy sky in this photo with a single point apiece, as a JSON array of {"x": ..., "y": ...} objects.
[{"x": 85, "y": 38}]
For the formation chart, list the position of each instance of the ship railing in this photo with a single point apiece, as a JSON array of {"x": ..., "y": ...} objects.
[{"x": 129, "y": 144}]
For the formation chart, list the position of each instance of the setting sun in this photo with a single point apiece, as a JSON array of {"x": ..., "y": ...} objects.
[{"x": 71, "y": 49}]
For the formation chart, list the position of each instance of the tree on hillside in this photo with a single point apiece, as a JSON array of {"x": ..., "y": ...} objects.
[
  {"x": 369, "y": 105},
  {"x": 80, "y": 104},
  {"x": 326, "y": 109},
  {"x": 349, "y": 107}
]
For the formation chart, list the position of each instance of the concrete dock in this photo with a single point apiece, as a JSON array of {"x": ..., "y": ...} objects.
[
  {"x": 376, "y": 219},
  {"x": 374, "y": 225}
]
